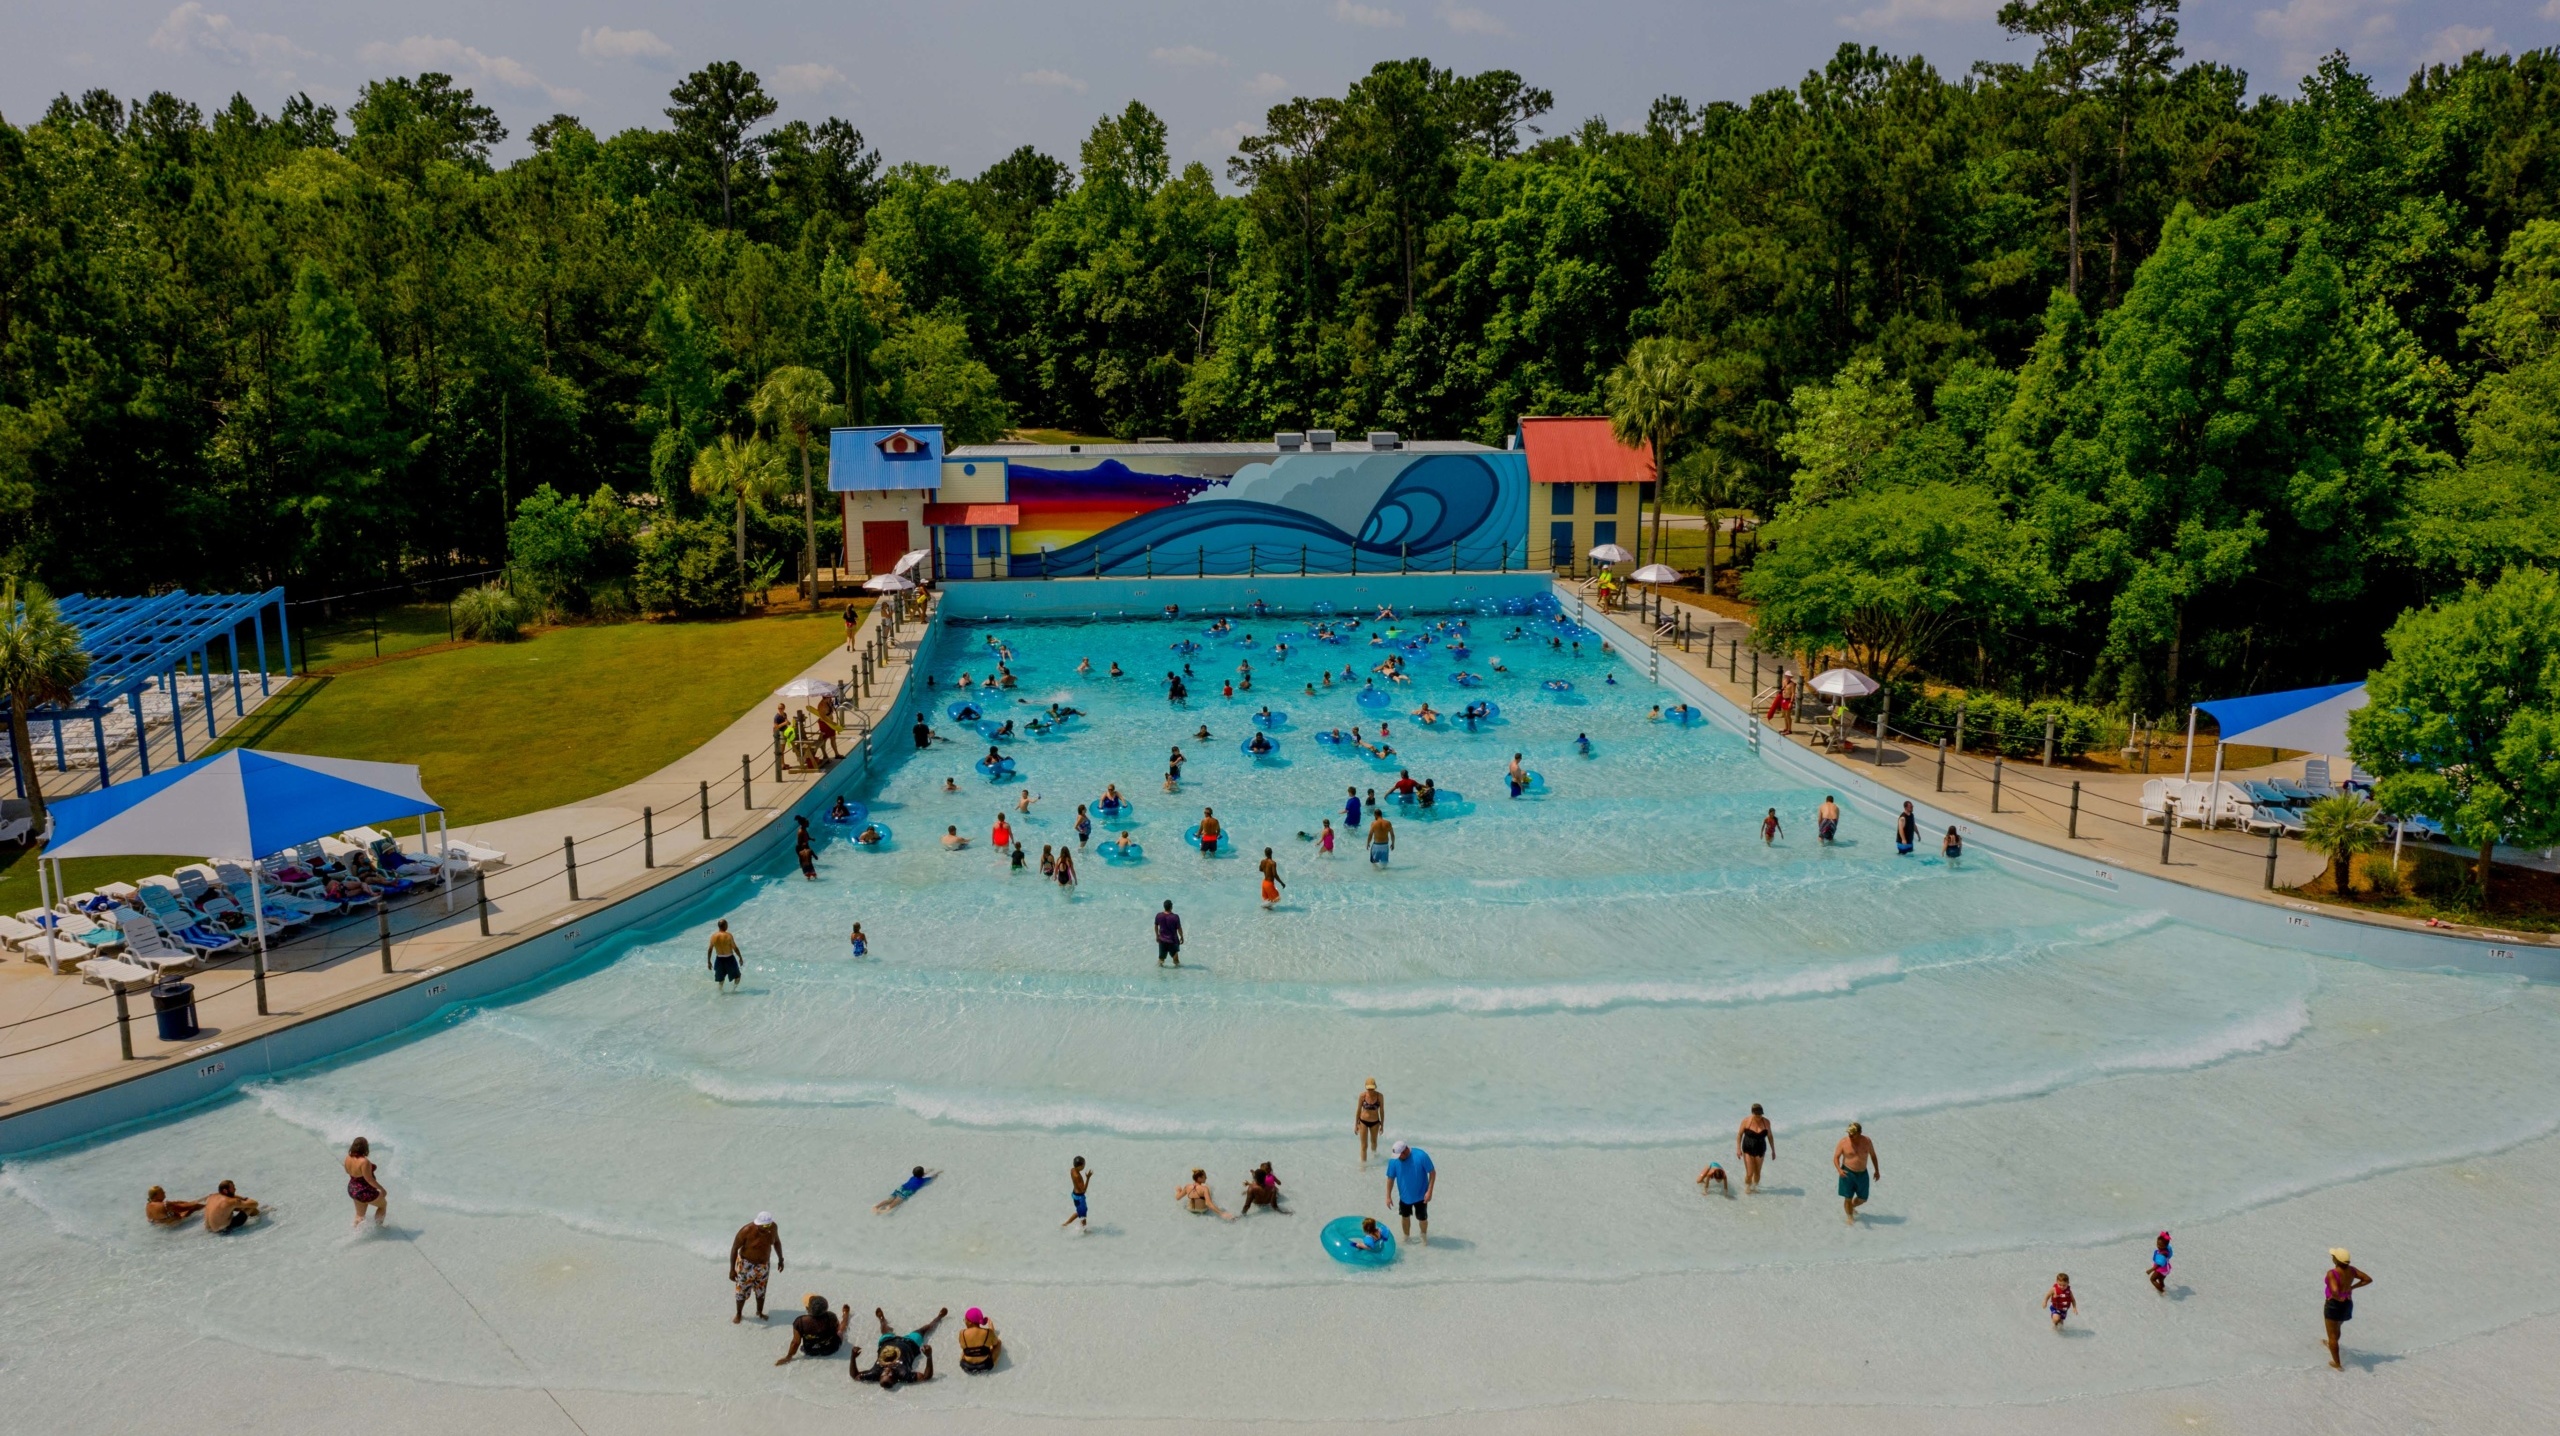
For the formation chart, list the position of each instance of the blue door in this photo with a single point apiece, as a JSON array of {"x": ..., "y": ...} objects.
[
  {"x": 1604, "y": 531},
  {"x": 1560, "y": 552}
]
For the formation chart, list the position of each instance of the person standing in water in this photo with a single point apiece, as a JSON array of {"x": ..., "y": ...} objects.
[
  {"x": 1369, "y": 1119},
  {"x": 1168, "y": 935},
  {"x": 1208, "y": 832},
  {"x": 1826, "y": 820},
  {"x": 1859, "y": 1168},
  {"x": 1411, "y": 1179},
  {"x": 1770, "y": 832},
  {"x": 1906, "y": 831},
  {"x": 1755, "y": 1142},
  {"x": 1271, "y": 884},
  {"x": 2059, "y": 1301},
  {"x": 2338, "y": 1298},
  {"x": 2160, "y": 1255},
  {"x": 364, "y": 1184},
  {"x": 1351, "y": 807},
  {"x": 1324, "y": 840},
  {"x": 723, "y": 957},
  {"x": 861, "y": 944},
  {"x": 755, "y": 1254},
  {"x": 1079, "y": 1177},
  {"x": 1084, "y": 826},
  {"x": 1382, "y": 840}
]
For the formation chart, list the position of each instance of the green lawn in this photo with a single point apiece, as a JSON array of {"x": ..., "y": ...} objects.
[
  {"x": 498, "y": 729},
  {"x": 355, "y": 637}
]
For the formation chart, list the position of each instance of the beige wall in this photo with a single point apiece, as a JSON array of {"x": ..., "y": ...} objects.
[
  {"x": 961, "y": 486},
  {"x": 1542, "y": 517},
  {"x": 880, "y": 506}
]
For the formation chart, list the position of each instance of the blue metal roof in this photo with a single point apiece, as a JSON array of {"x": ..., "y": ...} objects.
[{"x": 133, "y": 642}]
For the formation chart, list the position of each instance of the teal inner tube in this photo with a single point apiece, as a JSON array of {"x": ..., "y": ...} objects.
[
  {"x": 1110, "y": 812},
  {"x": 997, "y": 768},
  {"x": 1116, "y": 851},
  {"x": 886, "y": 838},
  {"x": 1272, "y": 751},
  {"x": 1337, "y": 1237},
  {"x": 1226, "y": 840},
  {"x": 1373, "y": 698},
  {"x": 1279, "y": 719}
]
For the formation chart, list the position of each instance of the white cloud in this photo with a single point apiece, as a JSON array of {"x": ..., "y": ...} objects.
[
  {"x": 1267, "y": 83},
  {"x": 2305, "y": 30},
  {"x": 1186, "y": 57},
  {"x": 1223, "y": 140},
  {"x": 1054, "y": 80},
  {"x": 2551, "y": 10},
  {"x": 2448, "y": 45},
  {"x": 432, "y": 52},
  {"x": 810, "y": 79},
  {"x": 607, "y": 43},
  {"x": 1468, "y": 20},
  {"x": 1900, "y": 14},
  {"x": 1352, "y": 12},
  {"x": 192, "y": 29}
]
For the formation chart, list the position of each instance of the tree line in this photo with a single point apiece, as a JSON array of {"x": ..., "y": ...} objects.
[{"x": 2089, "y": 373}]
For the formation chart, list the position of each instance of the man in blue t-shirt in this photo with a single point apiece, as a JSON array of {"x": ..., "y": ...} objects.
[{"x": 1410, "y": 1181}]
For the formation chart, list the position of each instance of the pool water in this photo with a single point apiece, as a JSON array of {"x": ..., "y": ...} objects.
[{"x": 1569, "y": 999}]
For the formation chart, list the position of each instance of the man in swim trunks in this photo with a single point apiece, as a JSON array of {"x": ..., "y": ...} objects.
[
  {"x": 2338, "y": 1298},
  {"x": 1906, "y": 831},
  {"x": 722, "y": 955},
  {"x": 1411, "y": 1179},
  {"x": 1271, "y": 884},
  {"x": 225, "y": 1210},
  {"x": 899, "y": 1356},
  {"x": 1826, "y": 820},
  {"x": 1382, "y": 840},
  {"x": 1168, "y": 935},
  {"x": 924, "y": 734},
  {"x": 1753, "y": 1142},
  {"x": 755, "y": 1254},
  {"x": 1079, "y": 1177},
  {"x": 1856, "y": 1161},
  {"x": 1208, "y": 831}
]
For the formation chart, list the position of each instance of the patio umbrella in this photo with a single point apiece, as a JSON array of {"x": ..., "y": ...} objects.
[
  {"x": 806, "y": 688},
  {"x": 1656, "y": 573},
  {"x": 888, "y": 583},
  {"x": 1843, "y": 683},
  {"x": 907, "y": 561},
  {"x": 1610, "y": 553}
]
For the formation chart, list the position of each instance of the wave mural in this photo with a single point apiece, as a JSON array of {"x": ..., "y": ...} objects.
[{"x": 1326, "y": 512}]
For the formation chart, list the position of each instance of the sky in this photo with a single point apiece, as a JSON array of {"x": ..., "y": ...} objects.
[{"x": 960, "y": 83}]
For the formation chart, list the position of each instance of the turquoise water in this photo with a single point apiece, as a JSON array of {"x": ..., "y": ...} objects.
[{"x": 1569, "y": 999}]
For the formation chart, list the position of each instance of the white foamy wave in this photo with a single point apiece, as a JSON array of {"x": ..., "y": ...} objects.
[
  {"x": 1516, "y": 999},
  {"x": 291, "y": 1104},
  {"x": 993, "y": 1111}
]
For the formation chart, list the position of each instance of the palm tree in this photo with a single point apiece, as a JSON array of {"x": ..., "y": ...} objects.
[
  {"x": 738, "y": 470},
  {"x": 1651, "y": 396},
  {"x": 794, "y": 400},
  {"x": 2342, "y": 827},
  {"x": 41, "y": 661}
]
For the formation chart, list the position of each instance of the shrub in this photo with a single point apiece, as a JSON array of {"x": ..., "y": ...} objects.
[
  {"x": 2340, "y": 827},
  {"x": 1995, "y": 724},
  {"x": 2380, "y": 874},
  {"x": 2440, "y": 876},
  {"x": 488, "y": 612},
  {"x": 563, "y": 555},
  {"x": 689, "y": 568}
]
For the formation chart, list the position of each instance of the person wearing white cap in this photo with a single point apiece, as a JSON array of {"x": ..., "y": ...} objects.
[
  {"x": 755, "y": 1254},
  {"x": 1411, "y": 1179}
]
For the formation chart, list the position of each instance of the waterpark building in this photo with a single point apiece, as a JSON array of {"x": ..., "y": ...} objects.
[{"x": 1300, "y": 501}]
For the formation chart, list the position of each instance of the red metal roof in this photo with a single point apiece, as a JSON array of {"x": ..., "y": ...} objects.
[
  {"x": 1001, "y": 516},
  {"x": 1582, "y": 451}
]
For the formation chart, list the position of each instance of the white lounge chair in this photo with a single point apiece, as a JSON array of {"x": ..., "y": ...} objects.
[
  {"x": 235, "y": 881},
  {"x": 207, "y": 898},
  {"x": 187, "y": 929},
  {"x": 2315, "y": 778},
  {"x": 114, "y": 972},
  {"x": 146, "y": 946},
  {"x": 474, "y": 855},
  {"x": 17, "y": 934}
]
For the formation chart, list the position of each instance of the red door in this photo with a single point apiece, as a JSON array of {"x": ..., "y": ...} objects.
[{"x": 884, "y": 542}]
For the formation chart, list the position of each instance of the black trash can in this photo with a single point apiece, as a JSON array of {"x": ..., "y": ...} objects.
[{"x": 174, "y": 1004}]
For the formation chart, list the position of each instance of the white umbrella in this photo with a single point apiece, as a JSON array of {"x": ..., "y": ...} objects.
[
  {"x": 1656, "y": 573},
  {"x": 806, "y": 688},
  {"x": 1610, "y": 553},
  {"x": 1843, "y": 683},
  {"x": 908, "y": 560},
  {"x": 888, "y": 583}
]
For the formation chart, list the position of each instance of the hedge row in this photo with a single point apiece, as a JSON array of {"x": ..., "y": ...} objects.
[{"x": 1994, "y": 724}]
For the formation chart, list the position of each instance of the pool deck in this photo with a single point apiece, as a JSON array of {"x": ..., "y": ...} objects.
[
  {"x": 2036, "y": 801},
  {"x": 58, "y": 1036}
]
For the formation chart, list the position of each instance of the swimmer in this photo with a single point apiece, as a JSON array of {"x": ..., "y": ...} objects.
[
  {"x": 1428, "y": 795},
  {"x": 727, "y": 964},
  {"x": 861, "y": 944},
  {"x": 1497, "y": 665},
  {"x": 1382, "y": 840},
  {"x": 1754, "y": 1142},
  {"x": 1426, "y": 713},
  {"x": 1195, "y": 1194},
  {"x": 1582, "y": 741},
  {"x": 2160, "y": 1255},
  {"x": 1066, "y": 870},
  {"x": 1203, "y": 733},
  {"x": 870, "y": 836},
  {"x": 1953, "y": 847},
  {"x": 914, "y": 1183},
  {"x": 1611, "y": 678},
  {"x": 951, "y": 785},
  {"x": 1084, "y": 826},
  {"x": 952, "y": 840},
  {"x": 1311, "y": 690},
  {"x": 1770, "y": 831},
  {"x": 1084, "y": 665},
  {"x": 1859, "y": 1167},
  {"x": 1115, "y": 669},
  {"x": 2060, "y": 1301},
  {"x": 1324, "y": 839},
  {"x": 158, "y": 1210},
  {"x": 1328, "y": 680},
  {"x": 1261, "y": 743},
  {"x": 1271, "y": 883},
  {"x": 1023, "y": 803},
  {"x": 1712, "y": 1178},
  {"x": 1372, "y": 1236},
  {"x": 1655, "y": 716}
]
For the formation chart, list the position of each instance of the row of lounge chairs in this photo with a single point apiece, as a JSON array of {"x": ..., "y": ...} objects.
[
  {"x": 134, "y": 934},
  {"x": 2271, "y": 805}
]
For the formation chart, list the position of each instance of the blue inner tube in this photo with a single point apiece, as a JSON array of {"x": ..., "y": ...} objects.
[
  {"x": 1467, "y": 680},
  {"x": 1327, "y": 736},
  {"x": 1492, "y": 713},
  {"x": 1119, "y": 812},
  {"x": 1226, "y": 840},
  {"x": 1116, "y": 851},
  {"x": 1558, "y": 685},
  {"x": 856, "y": 814},
  {"x": 1686, "y": 715},
  {"x": 964, "y": 711},
  {"x": 1337, "y": 1235},
  {"x": 996, "y": 768},
  {"x": 1278, "y": 720},
  {"x": 1186, "y": 646},
  {"x": 1373, "y": 698},
  {"x": 1537, "y": 782},
  {"x": 1273, "y": 751},
  {"x": 886, "y": 837},
  {"x": 1248, "y": 641}
]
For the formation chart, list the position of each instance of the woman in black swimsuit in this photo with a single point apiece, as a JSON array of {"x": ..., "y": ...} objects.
[
  {"x": 364, "y": 1185},
  {"x": 1756, "y": 1140},
  {"x": 1369, "y": 1119}
]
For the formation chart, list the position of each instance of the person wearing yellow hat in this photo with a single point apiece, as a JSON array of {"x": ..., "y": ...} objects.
[{"x": 2338, "y": 1297}]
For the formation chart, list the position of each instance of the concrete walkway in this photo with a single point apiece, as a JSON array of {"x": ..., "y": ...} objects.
[
  {"x": 2034, "y": 802},
  {"x": 59, "y": 1035}
]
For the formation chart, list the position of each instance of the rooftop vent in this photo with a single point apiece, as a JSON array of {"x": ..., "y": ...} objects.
[
  {"x": 1384, "y": 439},
  {"x": 1288, "y": 441},
  {"x": 1319, "y": 438}
]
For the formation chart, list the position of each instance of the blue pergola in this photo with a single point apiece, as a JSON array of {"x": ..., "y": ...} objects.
[{"x": 158, "y": 642}]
